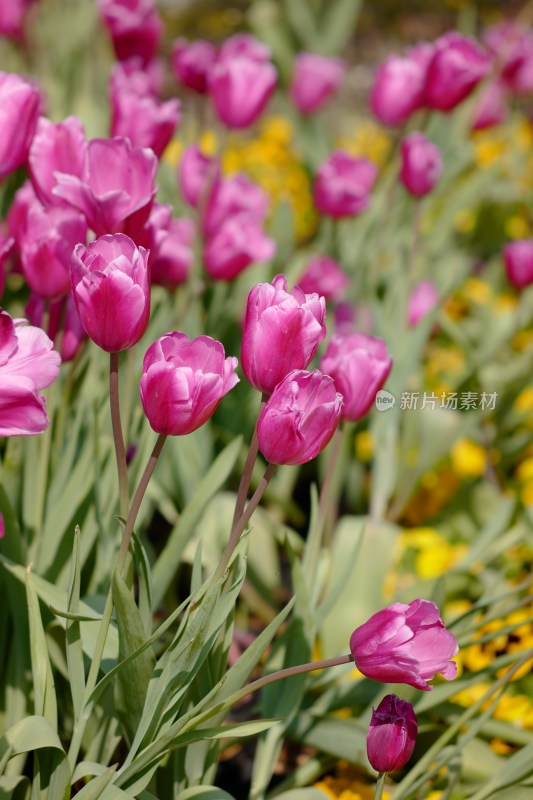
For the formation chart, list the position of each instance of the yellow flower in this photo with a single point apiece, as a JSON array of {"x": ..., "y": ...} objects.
[
  {"x": 524, "y": 471},
  {"x": 364, "y": 446},
  {"x": 465, "y": 220},
  {"x": 476, "y": 290},
  {"x": 505, "y": 303},
  {"x": 368, "y": 140},
  {"x": 524, "y": 403},
  {"x": 517, "y": 227},
  {"x": 488, "y": 149},
  {"x": 469, "y": 460},
  {"x": 173, "y": 152}
]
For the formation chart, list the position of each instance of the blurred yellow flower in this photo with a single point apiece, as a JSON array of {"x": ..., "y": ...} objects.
[
  {"x": 364, "y": 446},
  {"x": 368, "y": 140},
  {"x": 517, "y": 227},
  {"x": 347, "y": 785},
  {"x": 469, "y": 460},
  {"x": 465, "y": 220},
  {"x": 476, "y": 290}
]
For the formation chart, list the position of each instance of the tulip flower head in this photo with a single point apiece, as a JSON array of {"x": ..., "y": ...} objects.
[
  {"x": 458, "y": 64},
  {"x": 236, "y": 244},
  {"x": 183, "y": 382},
  {"x": 518, "y": 257},
  {"x": 192, "y": 61},
  {"x": 343, "y": 185},
  {"x": 405, "y": 644},
  {"x": 391, "y": 736},
  {"x": 198, "y": 174},
  {"x": 143, "y": 119},
  {"x": 421, "y": 164},
  {"x": 20, "y": 104},
  {"x": 314, "y": 80},
  {"x": 282, "y": 331},
  {"x": 398, "y": 89},
  {"x": 422, "y": 301},
  {"x": 135, "y": 27},
  {"x": 323, "y": 276},
  {"x": 299, "y": 418},
  {"x": 56, "y": 147}
]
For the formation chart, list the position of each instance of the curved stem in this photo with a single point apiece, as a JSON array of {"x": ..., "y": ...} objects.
[
  {"x": 243, "y": 522},
  {"x": 299, "y": 669},
  {"x": 120, "y": 450},
  {"x": 246, "y": 476}
]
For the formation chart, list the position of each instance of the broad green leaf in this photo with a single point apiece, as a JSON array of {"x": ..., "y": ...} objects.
[
  {"x": 14, "y": 787},
  {"x": 337, "y": 25},
  {"x": 36, "y": 734},
  {"x": 144, "y": 573},
  {"x": 309, "y": 793},
  {"x": 94, "y": 790},
  {"x": 516, "y": 769},
  {"x": 204, "y": 793},
  {"x": 303, "y": 23}
]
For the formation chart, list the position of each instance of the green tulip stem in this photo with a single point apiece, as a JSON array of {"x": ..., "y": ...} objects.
[
  {"x": 380, "y": 784},
  {"x": 118, "y": 438},
  {"x": 246, "y": 476}
]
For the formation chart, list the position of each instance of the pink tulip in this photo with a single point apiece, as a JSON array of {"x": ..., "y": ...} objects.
[
  {"x": 282, "y": 332},
  {"x": 518, "y": 257},
  {"x": 405, "y": 644},
  {"x": 143, "y": 119},
  {"x": 116, "y": 189},
  {"x": 135, "y": 27},
  {"x": 244, "y": 45},
  {"x": 491, "y": 107},
  {"x": 231, "y": 196},
  {"x": 236, "y": 243},
  {"x": 192, "y": 62},
  {"x": 421, "y": 164},
  {"x": 198, "y": 174},
  {"x": 343, "y": 185},
  {"x": 27, "y": 364},
  {"x": 398, "y": 89},
  {"x": 422, "y": 300},
  {"x": 24, "y": 199},
  {"x": 20, "y": 104},
  {"x": 314, "y": 80},
  {"x": 512, "y": 48},
  {"x": 457, "y": 66},
  {"x": 46, "y": 245},
  {"x": 174, "y": 255},
  {"x": 111, "y": 288},
  {"x": 392, "y": 734},
  {"x": 183, "y": 382},
  {"x": 6, "y": 246},
  {"x": 12, "y": 16},
  {"x": 359, "y": 365},
  {"x": 299, "y": 418},
  {"x": 63, "y": 323},
  {"x": 240, "y": 85},
  {"x": 55, "y": 148},
  {"x": 2, "y": 527},
  {"x": 134, "y": 76},
  {"x": 325, "y": 277}
]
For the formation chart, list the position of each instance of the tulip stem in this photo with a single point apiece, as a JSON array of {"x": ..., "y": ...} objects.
[
  {"x": 120, "y": 450},
  {"x": 246, "y": 476},
  {"x": 380, "y": 784},
  {"x": 299, "y": 669},
  {"x": 325, "y": 491},
  {"x": 243, "y": 522}
]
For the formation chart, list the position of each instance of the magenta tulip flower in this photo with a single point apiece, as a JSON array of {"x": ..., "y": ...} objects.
[
  {"x": 183, "y": 382},
  {"x": 72, "y": 332},
  {"x": 246, "y": 46},
  {"x": 116, "y": 189},
  {"x": 457, "y": 66},
  {"x": 421, "y": 164},
  {"x": 299, "y": 418},
  {"x": 512, "y": 48},
  {"x": 135, "y": 27},
  {"x": 398, "y": 89},
  {"x": 174, "y": 256},
  {"x": 231, "y": 196},
  {"x": 198, "y": 175},
  {"x": 491, "y": 107},
  {"x": 46, "y": 245},
  {"x": 314, "y": 80},
  {"x": 143, "y": 119},
  {"x": 359, "y": 365},
  {"x": 422, "y": 300},
  {"x": 27, "y": 364},
  {"x": 405, "y": 644},
  {"x": 134, "y": 76},
  {"x": 238, "y": 242},
  {"x": 325, "y": 277},
  {"x": 391, "y": 736},
  {"x": 192, "y": 62},
  {"x": 55, "y": 148},
  {"x": 343, "y": 185},
  {"x": 111, "y": 288},
  {"x": 7, "y": 244},
  {"x": 518, "y": 257},
  {"x": 20, "y": 104},
  {"x": 282, "y": 331},
  {"x": 12, "y": 17}
]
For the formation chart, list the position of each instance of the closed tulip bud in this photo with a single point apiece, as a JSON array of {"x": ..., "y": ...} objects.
[
  {"x": 240, "y": 86},
  {"x": 135, "y": 26},
  {"x": 405, "y": 644},
  {"x": 391, "y": 736},
  {"x": 116, "y": 189},
  {"x": 422, "y": 301},
  {"x": 314, "y": 80},
  {"x": 421, "y": 164},
  {"x": 518, "y": 257},
  {"x": 183, "y": 382},
  {"x": 299, "y": 418},
  {"x": 359, "y": 365},
  {"x": 20, "y": 104},
  {"x": 56, "y": 147},
  {"x": 198, "y": 174},
  {"x": 491, "y": 107},
  {"x": 174, "y": 257},
  {"x": 238, "y": 242},
  {"x": 282, "y": 331},
  {"x": 232, "y": 196},
  {"x": 143, "y": 119},
  {"x": 343, "y": 185},
  {"x": 111, "y": 288},
  {"x": 398, "y": 89},
  {"x": 457, "y": 66},
  {"x": 192, "y": 62},
  {"x": 325, "y": 277}
]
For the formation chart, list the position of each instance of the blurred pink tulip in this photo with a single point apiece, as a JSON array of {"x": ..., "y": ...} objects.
[
  {"x": 183, "y": 382},
  {"x": 299, "y": 419},
  {"x": 405, "y": 644},
  {"x": 325, "y": 277},
  {"x": 198, "y": 174},
  {"x": 237, "y": 242},
  {"x": 59, "y": 317},
  {"x": 518, "y": 257},
  {"x": 315, "y": 79},
  {"x": 135, "y": 27},
  {"x": 12, "y": 17},
  {"x": 359, "y": 365},
  {"x": 132, "y": 75},
  {"x": 421, "y": 164},
  {"x": 143, "y": 119},
  {"x": 20, "y": 104},
  {"x": 244, "y": 45},
  {"x": 282, "y": 331},
  {"x": 398, "y": 89},
  {"x": 192, "y": 62},
  {"x": 491, "y": 107},
  {"x": 457, "y": 66},
  {"x": 231, "y": 196},
  {"x": 111, "y": 288},
  {"x": 422, "y": 300},
  {"x": 174, "y": 255},
  {"x": 55, "y": 148},
  {"x": 343, "y": 185}
]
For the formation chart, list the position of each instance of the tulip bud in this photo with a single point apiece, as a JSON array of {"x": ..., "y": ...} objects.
[
  {"x": 111, "y": 288},
  {"x": 197, "y": 174},
  {"x": 359, "y": 365},
  {"x": 12, "y": 16},
  {"x": 183, "y": 382},
  {"x": 142, "y": 119},
  {"x": 299, "y": 419},
  {"x": 343, "y": 185},
  {"x": 457, "y": 66},
  {"x": 238, "y": 242},
  {"x": 421, "y": 164},
  {"x": 518, "y": 257},
  {"x": 422, "y": 300},
  {"x": 135, "y": 26},
  {"x": 314, "y": 80},
  {"x": 19, "y": 111},
  {"x": 282, "y": 332},
  {"x": 240, "y": 87},
  {"x": 323, "y": 276},
  {"x": 55, "y": 148},
  {"x": 398, "y": 89},
  {"x": 391, "y": 735},
  {"x": 192, "y": 61}
]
